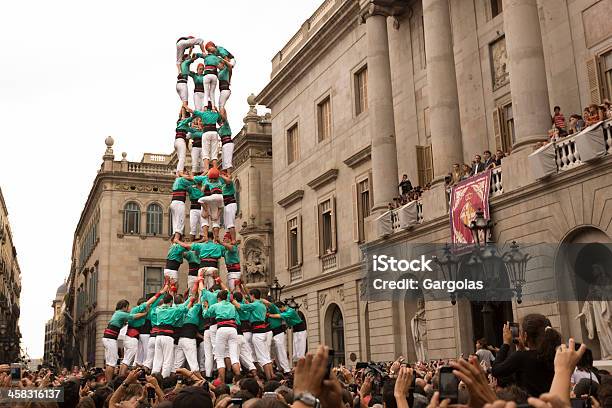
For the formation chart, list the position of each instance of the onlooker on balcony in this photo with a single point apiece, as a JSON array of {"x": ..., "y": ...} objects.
[
  {"x": 576, "y": 124},
  {"x": 558, "y": 121},
  {"x": 477, "y": 165},
  {"x": 466, "y": 171},
  {"x": 592, "y": 116},
  {"x": 497, "y": 159},
  {"x": 455, "y": 174},
  {"x": 405, "y": 185},
  {"x": 488, "y": 158},
  {"x": 608, "y": 106},
  {"x": 603, "y": 112}
]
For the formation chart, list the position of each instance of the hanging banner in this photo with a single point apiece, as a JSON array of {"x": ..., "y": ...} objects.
[{"x": 467, "y": 197}]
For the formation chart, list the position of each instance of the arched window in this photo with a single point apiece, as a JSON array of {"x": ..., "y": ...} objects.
[
  {"x": 335, "y": 329},
  {"x": 131, "y": 218},
  {"x": 155, "y": 217}
]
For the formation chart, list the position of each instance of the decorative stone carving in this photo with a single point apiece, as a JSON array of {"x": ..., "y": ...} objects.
[
  {"x": 146, "y": 188},
  {"x": 340, "y": 294},
  {"x": 240, "y": 158},
  {"x": 499, "y": 63},
  {"x": 322, "y": 298},
  {"x": 386, "y": 8},
  {"x": 255, "y": 263}
]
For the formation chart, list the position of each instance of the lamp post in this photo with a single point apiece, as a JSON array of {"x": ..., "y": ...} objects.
[
  {"x": 516, "y": 265},
  {"x": 449, "y": 264},
  {"x": 275, "y": 291}
]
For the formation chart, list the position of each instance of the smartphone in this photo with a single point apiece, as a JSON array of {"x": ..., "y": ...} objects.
[
  {"x": 150, "y": 393},
  {"x": 271, "y": 395},
  {"x": 448, "y": 385},
  {"x": 15, "y": 373},
  {"x": 179, "y": 379},
  {"x": 361, "y": 364},
  {"x": 142, "y": 377},
  {"x": 330, "y": 363},
  {"x": 238, "y": 401},
  {"x": 514, "y": 329}
]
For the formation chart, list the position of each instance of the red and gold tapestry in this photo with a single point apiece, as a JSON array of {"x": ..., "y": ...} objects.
[{"x": 467, "y": 197}]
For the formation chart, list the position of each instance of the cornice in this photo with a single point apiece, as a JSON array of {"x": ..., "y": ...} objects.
[
  {"x": 327, "y": 177},
  {"x": 291, "y": 198},
  {"x": 361, "y": 156}
]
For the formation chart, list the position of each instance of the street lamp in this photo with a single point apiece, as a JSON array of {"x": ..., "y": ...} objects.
[
  {"x": 480, "y": 225},
  {"x": 275, "y": 291},
  {"x": 449, "y": 264},
  {"x": 516, "y": 265}
]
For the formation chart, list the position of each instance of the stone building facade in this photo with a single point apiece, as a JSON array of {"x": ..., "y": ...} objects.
[
  {"x": 10, "y": 290},
  {"x": 368, "y": 90},
  {"x": 54, "y": 330}
]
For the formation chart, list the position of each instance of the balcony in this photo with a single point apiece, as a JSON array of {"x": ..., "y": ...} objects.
[
  {"x": 567, "y": 152},
  {"x": 329, "y": 262}
]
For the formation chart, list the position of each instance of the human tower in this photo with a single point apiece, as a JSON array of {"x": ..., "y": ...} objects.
[{"x": 215, "y": 325}]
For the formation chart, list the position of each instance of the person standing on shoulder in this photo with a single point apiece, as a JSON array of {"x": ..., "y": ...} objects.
[{"x": 293, "y": 320}]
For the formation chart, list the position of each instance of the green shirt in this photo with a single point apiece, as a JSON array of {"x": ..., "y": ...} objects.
[
  {"x": 184, "y": 124},
  {"x": 229, "y": 189},
  {"x": 224, "y": 310},
  {"x": 209, "y": 117},
  {"x": 210, "y": 298},
  {"x": 291, "y": 317},
  {"x": 175, "y": 253},
  {"x": 258, "y": 311},
  {"x": 119, "y": 318},
  {"x": 135, "y": 310},
  {"x": 181, "y": 184},
  {"x": 208, "y": 249},
  {"x": 181, "y": 320},
  {"x": 194, "y": 194},
  {"x": 198, "y": 81},
  {"x": 224, "y": 74},
  {"x": 224, "y": 130},
  {"x": 211, "y": 60},
  {"x": 185, "y": 66},
  {"x": 192, "y": 257},
  {"x": 194, "y": 315},
  {"x": 244, "y": 313},
  {"x": 169, "y": 315},
  {"x": 154, "y": 306},
  {"x": 232, "y": 256},
  {"x": 222, "y": 52},
  {"x": 274, "y": 323},
  {"x": 195, "y": 133}
]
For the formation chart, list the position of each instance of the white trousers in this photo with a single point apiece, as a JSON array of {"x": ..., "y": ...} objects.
[
  {"x": 195, "y": 222},
  {"x": 232, "y": 277},
  {"x": 171, "y": 274},
  {"x": 215, "y": 203},
  {"x": 223, "y": 97},
  {"x": 164, "y": 354},
  {"x": 181, "y": 150},
  {"x": 207, "y": 272},
  {"x": 199, "y": 100},
  {"x": 245, "y": 355},
  {"x": 111, "y": 352},
  {"x": 201, "y": 356},
  {"x": 209, "y": 349},
  {"x": 210, "y": 89},
  {"x": 227, "y": 150},
  {"x": 210, "y": 145},
  {"x": 196, "y": 159},
  {"x": 280, "y": 349},
  {"x": 299, "y": 344},
  {"x": 150, "y": 353},
  {"x": 177, "y": 210},
  {"x": 143, "y": 343},
  {"x": 261, "y": 345},
  {"x": 182, "y": 91},
  {"x": 182, "y": 45},
  {"x": 186, "y": 350},
  {"x": 229, "y": 215},
  {"x": 130, "y": 348},
  {"x": 248, "y": 342},
  {"x": 226, "y": 343}
]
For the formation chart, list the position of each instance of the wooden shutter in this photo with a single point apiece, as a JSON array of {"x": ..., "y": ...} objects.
[
  {"x": 288, "y": 245},
  {"x": 424, "y": 164},
  {"x": 300, "y": 247},
  {"x": 317, "y": 230},
  {"x": 497, "y": 128},
  {"x": 355, "y": 213},
  {"x": 429, "y": 170},
  {"x": 334, "y": 230},
  {"x": 592, "y": 67},
  {"x": 370, "y": 190}
]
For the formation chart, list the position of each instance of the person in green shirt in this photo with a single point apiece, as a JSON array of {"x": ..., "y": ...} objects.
[
  {"x": 187, "y": 43},
  {"x": 195, "y": 132},
  {"x": 224, "y": 75},
  {"x": 207, "y": 299},
  {"x": 209, "y": 252},
  {"x": 213, "y": 199},
  {"x": 227, "y": 145},
  {"x": 199, "y": 93},
  {"x": 181, "y": 80},
  {"x": 210, "y": 143},
  {"x": 278, "y": 335},
  {"x": 186, "y": 348},
  {"x": 298, "y": 327},
  {"x": 195, "y": 212},
  {"x": 232, "y": 261},
  {"x": 174, "y": 259},
  {"x": 212, "y": 64},
  {"x": 193, "y": 260},
  {"x": 230, "y": 206},
  {"x": 244, "y": 329},
  {"x": 180, "y": 140},
  {"x": 226, "y": 341},
  {"x": 177, "y": 205}
]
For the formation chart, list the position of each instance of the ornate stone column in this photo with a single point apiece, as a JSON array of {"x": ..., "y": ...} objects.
[
  {"x": 442, "y": 88},
  {"x": 528, "y": 86},
  {"x": 446, "y": 144},
  {"x": 380, "y": 102}
]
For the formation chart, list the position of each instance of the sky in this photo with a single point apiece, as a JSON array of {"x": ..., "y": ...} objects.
[{"x": 74, "y": 72}]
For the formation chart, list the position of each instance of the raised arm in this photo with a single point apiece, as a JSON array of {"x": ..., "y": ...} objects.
[
  {"x": 181, "y": 243},
  {"x": 226, "y": 177}
]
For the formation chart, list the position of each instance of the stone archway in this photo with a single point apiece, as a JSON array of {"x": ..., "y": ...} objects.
[{"x": 334, "y": 332}]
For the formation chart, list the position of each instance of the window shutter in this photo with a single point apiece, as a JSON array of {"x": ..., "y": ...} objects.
[
  {"x": 429, "y": 170},
  {"x": 334, "y": 238},
  {"x": 355, "y": 214},
  {"x": 497, "y": 128},
  {"x": 287, "y": 244},
  {"x": 317, "y": 230},
  {"x": 370, "y": 190},
  {"x": 421, "y": 164},
  {"x": 300, "y": 246},
  {"x": 592, "y": 66}
]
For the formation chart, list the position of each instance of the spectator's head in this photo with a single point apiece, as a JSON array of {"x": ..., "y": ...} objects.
[
  {"x": 499, "y": 154},
  {"x": 100, "y": 395},
  {"x": 593, "y": 109},
  {"x": 477, "y": 158},
  {"x": 586, "y": 386},
  {"x": 603, "y": 112},
  {"x": 122, "y": 305},
  {"x": 456, "y": 167},
  {"x": 71, "y": 394},
  {"x": 586, "y": 361},
  {"x": 189, "y": 397},
  {"x": 513, "y": 393},
  {"x": 86, "y": 402},
  {"x": 221, "y": 389},
  {"x": 466, "y": 168},
  {"x": 481, "y": 344},
  {"x": 271, "y": 386},
  {"x": 387, "y": 394},
  {"x": 486, "y": 154},
  {"x": 557, "y": 110},
  {"x": 539, "y": 335},
  {"x": 252, "y": 386},
  {"x": 269, "y": 403},
  {"x": 256, "y": 293},
  {"x": 405, "y": 177},
  {"x": 604, "y": 393}
]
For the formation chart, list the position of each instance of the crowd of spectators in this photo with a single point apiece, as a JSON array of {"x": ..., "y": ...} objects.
[
  {"x": 533, "y": 367},
  {"x": 590, "y": 115}
]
